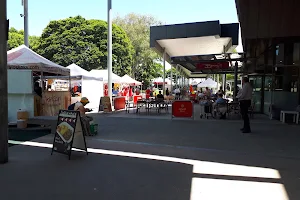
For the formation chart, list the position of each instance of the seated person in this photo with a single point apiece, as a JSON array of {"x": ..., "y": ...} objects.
[
  {"x": 159, "y": 96},
  {"x": 79, "y": 106},
  {"x": 221, "y": 101}
]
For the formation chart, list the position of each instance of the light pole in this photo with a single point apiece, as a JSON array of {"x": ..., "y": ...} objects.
[
  {"x": 25, "y": 15},
  {"x": 3, "y": 84},
  {"x": 109, "y": 48}
]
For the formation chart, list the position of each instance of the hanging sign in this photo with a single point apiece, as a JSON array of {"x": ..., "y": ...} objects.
[
  {"x": 69, "y": 133},
  {"x": 212, "y": 65}
]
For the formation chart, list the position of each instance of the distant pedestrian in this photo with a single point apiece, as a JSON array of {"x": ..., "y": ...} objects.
[
  {"x": 167, "y": 92},
  {"x": 245, "y": 97}
]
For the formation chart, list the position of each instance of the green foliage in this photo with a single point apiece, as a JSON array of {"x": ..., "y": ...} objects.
[
  {"x": 137, "y": 27},
  {"x": 229, "y": 76},
  {"x": 33, "y": 41},
  {"x": 174, "y": 73},
  {"x": 84, "y": 42},
  {"x": 16, "y": 38}
]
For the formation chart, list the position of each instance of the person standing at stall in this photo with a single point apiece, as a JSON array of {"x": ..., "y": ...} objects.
[
  {"x": 245, "y": 97},
  {"x": 167, "y": 92}
]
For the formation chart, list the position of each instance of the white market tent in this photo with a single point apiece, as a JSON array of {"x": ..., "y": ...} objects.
[
  {"x": 208, "y": 83},
  {"x": 128, "y": 80},
  {"x": 104, "y": 74},
  {"x": 91, "y": 86},
  {"x": 22, "y": 63},
  {"x": 76, "y": 70},
  {"x": 160, "y": 80},
  {"x": 24, "y": 58}
]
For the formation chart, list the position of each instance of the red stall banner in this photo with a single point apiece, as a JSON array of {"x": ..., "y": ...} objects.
[
  {"x": 182, "y": 109},
  {"x": 212, "y": 65}
]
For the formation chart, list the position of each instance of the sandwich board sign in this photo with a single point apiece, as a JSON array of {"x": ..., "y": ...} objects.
[
  {"x": 69, "y": 133},
  {"x": 105, "y": 104}
]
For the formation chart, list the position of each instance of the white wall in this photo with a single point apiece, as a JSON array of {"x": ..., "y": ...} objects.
[
  {"x": 20, "y": 93},
  {"x": 20, "y": 101},
  {"x": 93, "y": 90},
  {"x": 19, "y": 81}
]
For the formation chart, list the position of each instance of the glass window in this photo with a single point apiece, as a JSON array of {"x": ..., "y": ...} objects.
[
  {"x": 268, "y": 83},
  {"x": 296, "y": 53}
]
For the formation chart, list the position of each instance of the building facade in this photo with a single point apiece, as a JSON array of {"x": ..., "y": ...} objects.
[{"x": 271, "y": 41}]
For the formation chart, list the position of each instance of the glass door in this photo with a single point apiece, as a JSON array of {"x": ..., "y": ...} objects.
[{"x": 257, "y": 99}]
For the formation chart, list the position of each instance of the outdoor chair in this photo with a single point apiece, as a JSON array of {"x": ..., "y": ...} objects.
[
  {"x": 128, "y": 105},
  {"x": 294, "y": 113},
  {"x": 221, "y": 110},
  {"x": 251, "y": 110}
]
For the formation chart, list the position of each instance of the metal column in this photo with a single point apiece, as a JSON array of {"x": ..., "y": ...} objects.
[
  {"x": 171, "y": 75},
  {"x": 224, "y": 83},
  {"x": 3, "y": 84},
  {"x": 235, "y": 80},
  {"x": 26, "y": 33},
  {"x": 164, "y": 76},
  {"x": 109, "y": 48},
  {"x": 176, "y": 76}
]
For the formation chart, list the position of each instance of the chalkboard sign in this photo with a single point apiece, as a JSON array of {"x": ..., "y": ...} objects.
[
  {"x": 68, "y": 133},
  {"x": 105, "y": 104}
]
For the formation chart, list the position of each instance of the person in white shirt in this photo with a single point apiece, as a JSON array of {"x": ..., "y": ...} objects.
[
  {"x": 245, "y": 96},
  {"x": 177, "y": 93}
]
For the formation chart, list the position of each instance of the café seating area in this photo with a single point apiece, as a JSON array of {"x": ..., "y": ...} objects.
[{"x": 149, "y": 105}]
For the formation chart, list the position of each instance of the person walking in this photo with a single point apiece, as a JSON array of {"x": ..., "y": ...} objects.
[{"x": 245, "y": 97}]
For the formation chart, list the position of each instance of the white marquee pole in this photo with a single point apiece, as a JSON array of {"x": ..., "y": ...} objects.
[{"x": 109, "y": 48}]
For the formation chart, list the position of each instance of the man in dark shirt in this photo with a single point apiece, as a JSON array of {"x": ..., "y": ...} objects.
[
  {"x": 38, "y": 89},
  {"x": 160, "y": 96}
]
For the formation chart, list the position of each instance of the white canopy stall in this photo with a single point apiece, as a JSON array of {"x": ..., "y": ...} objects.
[
  {"x": 104, "y": 74},
  {"x": 84, "y": 84},
  {"x": 130, "y": 81},
  {"x": 208, "y": 83},
  {"x": 24, "y": 64}
]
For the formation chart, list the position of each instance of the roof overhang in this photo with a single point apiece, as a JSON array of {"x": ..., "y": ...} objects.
[
  {"x": 182, "y": 43},
  {"x": 268, "y": 18}
]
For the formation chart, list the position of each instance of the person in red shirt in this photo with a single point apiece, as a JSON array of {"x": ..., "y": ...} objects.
[{"x": 130, "y": 92}]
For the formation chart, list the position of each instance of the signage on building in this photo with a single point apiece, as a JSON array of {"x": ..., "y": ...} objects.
[
  {"x": 212, "y": 65},
  {"x": 182, "y": 109}
]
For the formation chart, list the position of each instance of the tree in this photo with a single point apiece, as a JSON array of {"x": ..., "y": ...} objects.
[
  {"x": 33, "y": 41},
  {"x": 229, "y": 76},
  {"x": 84, "y": 42},
  {"x": 174, "y": 73},
  {"x": 16, "y": 38},
  {"x": 145, "y": 60}
]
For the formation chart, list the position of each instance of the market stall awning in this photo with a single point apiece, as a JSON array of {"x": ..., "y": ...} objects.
[
  {"x": 128, "y": 80},
  {"x": 196, "y": 46},
  {"x": 103, "y": 73},
  {"x": 160, "y": 81},
  {"x": 24, "y": 58},
  {"x": 208, "y": 83},
  {"x": 76, "y": 70}
]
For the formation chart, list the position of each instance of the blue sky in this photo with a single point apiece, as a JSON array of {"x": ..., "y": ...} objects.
[{"x": 167, "y": 11}]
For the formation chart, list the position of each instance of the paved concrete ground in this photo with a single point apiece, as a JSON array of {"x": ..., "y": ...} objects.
[{"x": 145, "y": 158}]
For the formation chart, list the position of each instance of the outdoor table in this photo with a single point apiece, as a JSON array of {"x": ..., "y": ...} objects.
[{"x": 149, "y": 103}]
